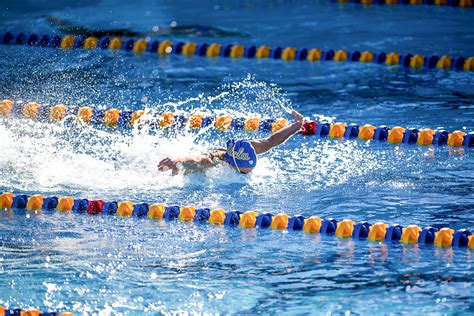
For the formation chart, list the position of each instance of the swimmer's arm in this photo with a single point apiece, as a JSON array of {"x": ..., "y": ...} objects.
[
  {"x": 202, "y": 161},
  {"x": 278, "y": 138},
  {"x": 195, "y": 163},
  {"x": 191, "y": 163}
]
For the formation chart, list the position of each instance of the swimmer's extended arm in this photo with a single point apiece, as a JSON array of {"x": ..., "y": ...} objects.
[
  {"x": 189, "y": 163},
  {"x": 278, "y": 138}
]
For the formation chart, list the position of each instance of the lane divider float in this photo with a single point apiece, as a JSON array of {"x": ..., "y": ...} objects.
[
  {"x": 378, "y": 232},
  {"x": 123, "y": 120},
  {"x": 415, "y": 61},
  {"x": 30, "y": 312},
  {"x": 451, "y": 3}
]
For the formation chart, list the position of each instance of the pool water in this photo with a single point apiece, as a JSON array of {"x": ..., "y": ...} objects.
[{"x": 110, "y": 265}]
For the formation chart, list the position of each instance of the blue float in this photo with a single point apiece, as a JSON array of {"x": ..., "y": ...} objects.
[
  {"x": 361, "y": 230},
  {"x": 20, "y": 201},
  {"x": 327, "y": 55},
  {"x": 201, "y": 49},
  {"x": 50, "y": 203},
  {"x": 381, "y": 133},
  {"x": 301, "y": 54},
  {"x": 237, "y": 123},
  {"x": 440, "y": 137},
  {"x": 276, "y": 52},
  {"x": 296, "y": 222},
  {"x": 80, "y": 205},
  {"x": 103, "y": 43},
  {"x": 140, "y": 210},
  {"x": 461, "y": 238},
  {"x": 264, "y": 220},
  {"x": 171, "y": 212},
  {"x": 232, "y": 218},
  {"x": 427, "y": 235},
  {"x": 323, "y": 129},
  {"x": 380, "y": 58},
  {"x": 394, "y": 233},
  {"x": 202, "y": 215},
  {"x": 410, "y": 136},
  {"x": 178, "y": 48},
  {"x": 225, "y": 51},
  {"x": 110, "y": 208},
  {"x": 79, "y": 41},
  {"x": 250, "y": 51},
  {"x": 352, "y": 131},
  {"x": 328, "y": 226},
  {"x": 128, "y": 45}
]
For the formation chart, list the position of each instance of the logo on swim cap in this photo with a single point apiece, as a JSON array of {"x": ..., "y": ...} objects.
[{"x": 240, "y": 154}]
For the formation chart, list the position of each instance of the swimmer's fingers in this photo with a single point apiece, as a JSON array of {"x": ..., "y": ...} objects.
[
  {"x": 297, "y": 116},
  {"x": 161, "y": 166},
  {"x": 165, "y": 164},
  {"x": 169, "y": 164},
  {"x": 162, "y": 161}
]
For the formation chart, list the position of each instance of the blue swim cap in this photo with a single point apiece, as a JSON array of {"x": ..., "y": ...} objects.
[{"x": 240, "y": 154}]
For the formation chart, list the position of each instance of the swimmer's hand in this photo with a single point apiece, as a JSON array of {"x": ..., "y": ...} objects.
[
  {"x": 170, "y": 164},
  {"x": 299, "y": 119}
]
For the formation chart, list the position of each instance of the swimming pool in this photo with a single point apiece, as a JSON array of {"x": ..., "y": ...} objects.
[{"x": 83, "y": 263}]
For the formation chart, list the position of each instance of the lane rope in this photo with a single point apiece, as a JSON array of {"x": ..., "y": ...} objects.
[
  {"x": 444, "y": 237},
  {"x": 126, "y": 120},
  {"x": 450, "y": 3},
  {"x": 414, "y": 61},
  {"x": 30, "y": 312}
]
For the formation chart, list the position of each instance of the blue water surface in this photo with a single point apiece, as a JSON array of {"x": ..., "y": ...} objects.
[{"x": 95, "y": 264}]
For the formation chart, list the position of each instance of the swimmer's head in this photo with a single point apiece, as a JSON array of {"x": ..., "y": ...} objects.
[{"x": 241, "y": 155}]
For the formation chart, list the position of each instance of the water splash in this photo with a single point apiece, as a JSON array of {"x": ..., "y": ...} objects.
[
  {"x": 78, "y": 159},
  {"x": 247, "y": 97},
  {"x": 69, "y": 158}
]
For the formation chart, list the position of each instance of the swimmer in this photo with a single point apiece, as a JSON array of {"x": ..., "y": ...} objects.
[{"x": 240, "y": 155}]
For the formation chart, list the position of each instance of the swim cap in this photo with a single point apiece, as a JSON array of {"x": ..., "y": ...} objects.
[{"x": 240, "y": 154}]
